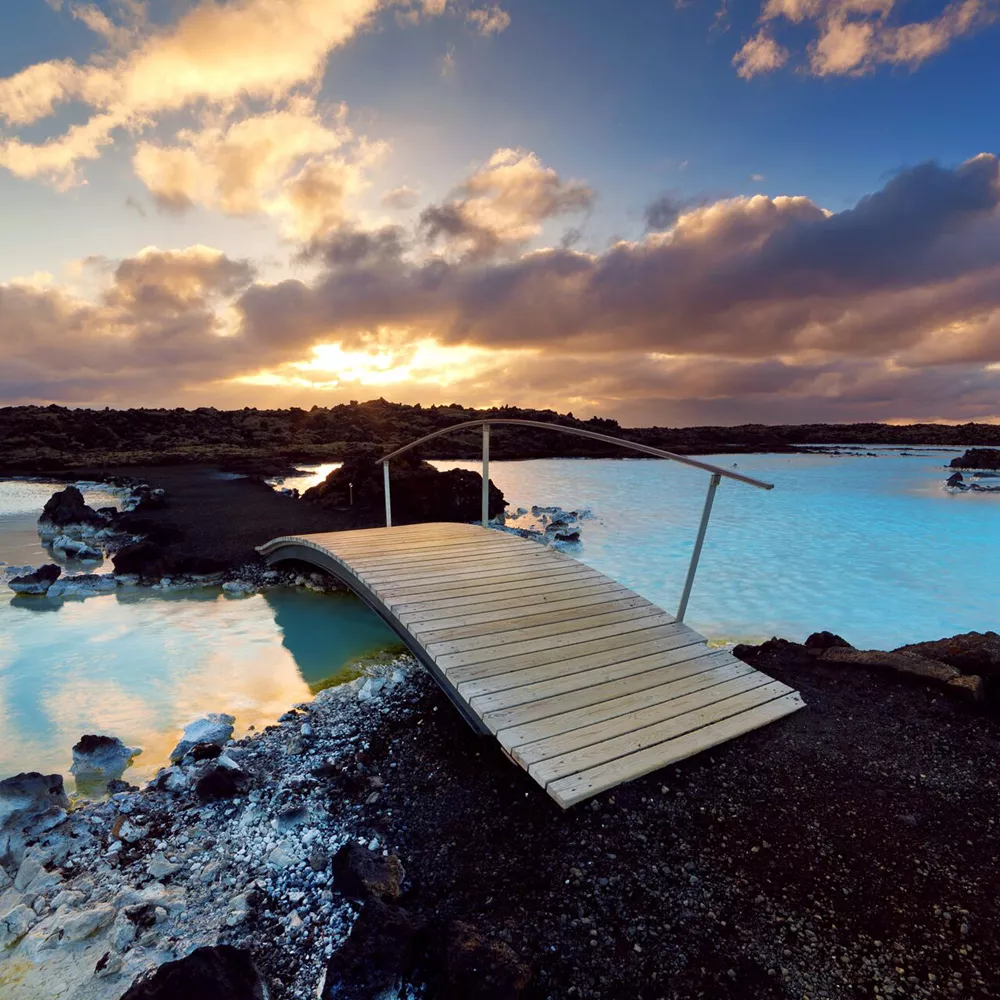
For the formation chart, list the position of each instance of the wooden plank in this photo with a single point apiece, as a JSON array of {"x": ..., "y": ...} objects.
[
  {"x": 588, "y": 757},
  {"x": 474, "y": 593},
  {"x": 540, "y": 719},
  {"x": 575, "y": 788},
  {"x": 660, "y": 640},
  {"x": 626, "y": 715},
  {"x": 484, "y": 622},
  {"x": 525, "y": 561},
  {"x": 410, "y": 557},
  {"x": 526, "y": 640},
  {"x": 497, "y": 599}
]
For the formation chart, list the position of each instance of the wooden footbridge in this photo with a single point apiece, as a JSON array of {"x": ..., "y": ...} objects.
[{"x": 584, "y": 683}]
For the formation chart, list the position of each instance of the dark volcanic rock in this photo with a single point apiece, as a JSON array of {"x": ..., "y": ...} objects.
[
  {"x": 481, "y": 968},
  {"x": 37, "y": 582},
  {"x": 977, "y": 458},
  {"x": 362, "y": 874},
  {"x": 970, "y": 652},
  {"x": 379, "y": 955},
  {"x": 819, "y": 641},
  {"x": 67, "y": 507},
  {"x": 145, "y": 558},
  {"x": 956, "y": 479},
  {"x": 221, "y": 783},
  {"x": 221, "y": 973},
  {"x": 417, "y": 490}
]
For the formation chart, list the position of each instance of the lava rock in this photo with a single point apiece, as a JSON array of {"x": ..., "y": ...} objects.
[
  {"x": 977, "y": 458},
  {"x": 216, "y": 728},
  {"x": 37, "y": 582},
  {"x": 100, "y": 759},
  {"x": 144, "y": 558},
  {"x": 30, "y": 804},
  {"x": 379, "y": 955},
  {"x": 221, "y": 783},
  {"x": 362, "y": 874},
  {"x": 482, "y": 968},
  {"x": 67, "y": 508},
  {"x": 419, "y": 492},
  {"x": 819, "y": 641},
  {"x": 970, "y": 652},
  {"x": 904, "y": 663},
  {"x": 220, "y": 973}
]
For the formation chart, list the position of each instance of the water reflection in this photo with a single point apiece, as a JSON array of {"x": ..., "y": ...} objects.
[{"x": 140, "y": 665}]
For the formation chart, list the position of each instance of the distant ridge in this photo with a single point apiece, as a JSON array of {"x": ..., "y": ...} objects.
[{"x": 51, "y": 438}]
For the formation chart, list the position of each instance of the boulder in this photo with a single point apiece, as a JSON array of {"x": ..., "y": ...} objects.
[
  {"x": 904, "y": 663},
  {"x": 145, "y": 559},
  {"x": 968, "y": 687},
  {"x": 83, "y": 585},
  {"x": 70, "y": 548},
  {"x": 219, "y": 973},
  {"x": 977, "y": 458},
  {"x": 67, "y": 509},
  {"x": 215, "y": 728},
  {"x": 220, "y": 782},
  {"x": 956, "y": 479},
  {"x": 362, "y": 874},
  {"x": 419, "y": 492},
  {"x": 14, "y": 924},
  {"x": 377, "y": 958},
  {"x": 970, "y": 652},
  {"x": 479, "y": 967},
  {"x": 37, "y": 582},
  {"x": 100, "y": 759},
  {"x": 819, "y": 641},
  {"x": 30, "y": 804}
]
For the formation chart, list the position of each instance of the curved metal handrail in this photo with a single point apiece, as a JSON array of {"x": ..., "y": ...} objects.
[
  {"x": 716, "y": 472},
  {"x": 579, "y": 432}
]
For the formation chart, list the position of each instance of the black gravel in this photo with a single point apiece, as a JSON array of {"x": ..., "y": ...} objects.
[{"x": 850, "y": 850}]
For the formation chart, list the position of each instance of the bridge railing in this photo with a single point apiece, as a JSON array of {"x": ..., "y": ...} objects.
[{"x": 716, "y": 473}]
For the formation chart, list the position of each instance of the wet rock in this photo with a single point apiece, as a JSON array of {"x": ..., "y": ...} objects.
[
  {"x": 220, "y": 973},
  {"x": 377, "y": 958},
  {"x": 362, "y": 874},
  {"x": 100, "y": 759},
  {"x": 66, "y": 509},
  {"x": 83, "y": 585},
  {"x": 30, "y": 804},
  {"x": 482, "y": 968},
  {"x": 215, "y": 728},
  {"x": 37, "y": 582},
  {"x": 819, "y": 641},
  {"x": 977, "y": 458},
  {"x": 956, "y": 479}
]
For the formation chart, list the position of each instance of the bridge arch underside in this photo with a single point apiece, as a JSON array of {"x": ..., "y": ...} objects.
[{"x": 323, "y": 561}]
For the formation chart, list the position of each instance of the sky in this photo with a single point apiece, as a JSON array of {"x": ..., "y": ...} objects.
[{"x": 663, "y": 211}]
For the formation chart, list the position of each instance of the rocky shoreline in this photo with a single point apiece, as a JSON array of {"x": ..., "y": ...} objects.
[{"x": 369, "y": 844}]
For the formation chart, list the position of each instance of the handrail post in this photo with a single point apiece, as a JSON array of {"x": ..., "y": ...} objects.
[
  {"x": 698, "y": 542},
  {"x": 486, "y": 475},
  {"x": 388, "y": 503}
]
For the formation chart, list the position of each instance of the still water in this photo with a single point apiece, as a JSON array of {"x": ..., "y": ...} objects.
[{"x": 872, "y": 548}]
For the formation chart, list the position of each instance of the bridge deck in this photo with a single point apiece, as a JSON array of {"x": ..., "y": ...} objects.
[{"x": 584, "y": 683}]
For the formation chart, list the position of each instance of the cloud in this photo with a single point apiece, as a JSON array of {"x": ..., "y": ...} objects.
[
  {"x": 216, "y": 55},
  {"x": 286, "y": 162},
  {"x": 747, "y": 308},
  {"x": 489, "y": 20},
  {"x": 853, "y": 37},
  {"x": 761, "y": 54},
  {"x": 501, "y": 206},
  {"x": 401, "y": 198}
]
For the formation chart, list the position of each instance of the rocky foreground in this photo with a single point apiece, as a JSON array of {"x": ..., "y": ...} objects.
[{"x": 370, "y": 845}]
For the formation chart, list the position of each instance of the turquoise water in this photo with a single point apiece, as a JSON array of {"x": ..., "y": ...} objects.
[
  {"x": 140, "y": 664},
  {"x": 871, "y": 548}
]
